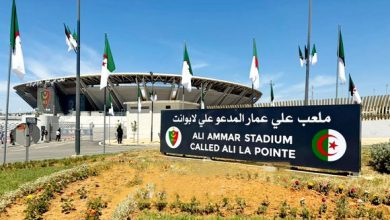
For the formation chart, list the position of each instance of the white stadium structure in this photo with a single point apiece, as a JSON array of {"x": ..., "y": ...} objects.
[{"x": 54, "y": 99}]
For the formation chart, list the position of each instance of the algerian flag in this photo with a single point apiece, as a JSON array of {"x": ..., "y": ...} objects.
[
  {"x": 70, "y": 39},
  {"x": 108, "y": 65},
  {"x": 354, "y": 92},
  {"x": 272, "y": 94},
  {"x": 139, "y": 97},
  {"x": 254, "y": 72},
  {"x": 341, "y": 59},
  {"x": 153, "y": 96},
  {"x": 314, "y": 57},
  {"x": 329, "y": 145},
  {"x": 111, "y": 109},
  {"x": 174, "y": 92},
  {"x": 186, "y": 73},
  {"x": 202, "y": 105},
  {"x": 17, "y": 64},
  {"x": 301, "y": 58}
]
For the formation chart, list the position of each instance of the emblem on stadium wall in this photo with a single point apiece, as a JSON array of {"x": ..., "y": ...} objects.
[{"x": 45, "y": 96}]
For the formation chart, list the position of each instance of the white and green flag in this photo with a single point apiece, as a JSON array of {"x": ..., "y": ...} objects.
[
  {"x": 254, "y": 72},
  {"x": 111, "y": 109},
  {"x": 341, "y": 60},
  {"x": 17, "y": 64},
  {"x": 139, "y": 97},
  {"x": 70, "y": 39},
  {"x": 354, "y": 92},
  {"x": 202, "y": 105},
  {"x": 186, "y": 73},
  {"x": 108, "y": 65},
  {"x": 313, "y": 55},
  {"x": 301, "y": 58}
]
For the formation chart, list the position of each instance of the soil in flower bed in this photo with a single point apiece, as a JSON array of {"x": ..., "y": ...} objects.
[{"x": 207, "y": 181}]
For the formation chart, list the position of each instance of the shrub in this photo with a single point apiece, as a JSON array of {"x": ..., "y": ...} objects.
[
  {"x": 341, "y": 211},
  {"x": 305, "y": 213},
  {"x": 124, "y": 209},
  {"x": 67, "y": 205},
  {"x": 209, "y": 208},
  {"x": 361, "y": 212},
  {"x": 376, "y": 200},
  {"x": 161, "y": 202},
  {"x": 283, "y": 209},
  {"x": 94, "y": 208},
  {"x": 240, "y": 205},
  {"x": 82, "y": 193},
  {"x": 353, "y": 193},
  {"x": 380, "y": 157}
]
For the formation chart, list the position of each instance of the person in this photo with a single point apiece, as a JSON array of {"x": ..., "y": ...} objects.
[
  {"x": 46, "y": 133},
  {"x": 119, "y": 132},
  {"x": 42, "y": 134},
  {"x": 2, "y": 137},
  {"x": 58, "y": 134},
  {"x": 11, "y": 138}
]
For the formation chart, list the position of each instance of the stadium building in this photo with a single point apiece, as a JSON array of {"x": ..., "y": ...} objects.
[{"x": 54, "y": 99}]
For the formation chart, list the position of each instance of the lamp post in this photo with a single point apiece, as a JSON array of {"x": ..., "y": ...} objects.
[{"x": 152, "y": 99}]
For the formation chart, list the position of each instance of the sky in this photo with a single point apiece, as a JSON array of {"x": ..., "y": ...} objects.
[{"x": 149, "y": 35}]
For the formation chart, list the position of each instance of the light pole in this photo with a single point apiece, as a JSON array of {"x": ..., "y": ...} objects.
[{"x": 152, "y": 99}]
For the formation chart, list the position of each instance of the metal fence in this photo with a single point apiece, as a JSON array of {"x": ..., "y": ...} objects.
[
  {"x": 88, "y": 132},
  {"x": 373, "y": 107}
]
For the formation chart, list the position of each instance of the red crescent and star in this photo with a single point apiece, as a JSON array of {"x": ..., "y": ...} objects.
[{"x": 321, "y": 149}]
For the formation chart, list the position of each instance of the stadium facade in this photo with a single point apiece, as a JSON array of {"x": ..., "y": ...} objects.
[{"x": 55, "y": 98}]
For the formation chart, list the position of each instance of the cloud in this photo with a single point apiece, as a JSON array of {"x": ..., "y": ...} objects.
[
  {"x": 48, "y": 62},
  {"x": 200, "y": 65},
  {"x": 322, "y": 85}
]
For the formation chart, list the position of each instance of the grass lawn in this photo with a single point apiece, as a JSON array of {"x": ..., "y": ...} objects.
[
  {"x": 13, "y": 175},
  {"x": 12, "y": 179}
]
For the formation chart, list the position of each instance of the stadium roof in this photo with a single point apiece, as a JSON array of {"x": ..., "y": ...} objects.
[{"x": 122, "y": 87}]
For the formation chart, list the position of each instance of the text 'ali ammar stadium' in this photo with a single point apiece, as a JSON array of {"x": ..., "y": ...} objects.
[{"x": 54, "y": 100}]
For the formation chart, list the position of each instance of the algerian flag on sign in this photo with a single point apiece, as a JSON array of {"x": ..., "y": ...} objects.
[
  {"x": 70, "y": 39},
  {"x": 254, "y": 72},
  {"x": 111, "y": 109},
  {"x": 313, "y": 56},
  {"x": 186, "y": 73},
  {"x": 354, "y": 92},
  {"x": 17, "y": 64},
  {"x": 108, "y": 65},
  {"x": 139, "y": 98},
  {"x": 329, "y": 145},
  {"x": 341, "y": 59},
  {"x": 301, "y": 58}
]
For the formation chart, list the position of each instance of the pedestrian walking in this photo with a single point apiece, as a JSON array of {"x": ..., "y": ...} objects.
[
  {"x": 119, "y": 132},
  {"x": 58, "y": 134}
]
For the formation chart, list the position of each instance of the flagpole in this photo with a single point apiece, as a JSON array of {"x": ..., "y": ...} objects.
[
  {"x": 152, "y": 99},
  {"x": 138, "y": 122},
  {"x": 252, "y": 96},
  {"x": 104, "y": 121},
  {"x": 307, "y": 58},
  {"x": 77, "y": 139},
  {"x": 182, "y": 102},
  {"x": 337, "y": 70},
  {"x": 109, "y": 126},
  {"x": 7, "y": 106}
]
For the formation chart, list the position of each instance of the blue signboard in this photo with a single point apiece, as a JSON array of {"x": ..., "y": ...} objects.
[{"x": 326, "y": 137}]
